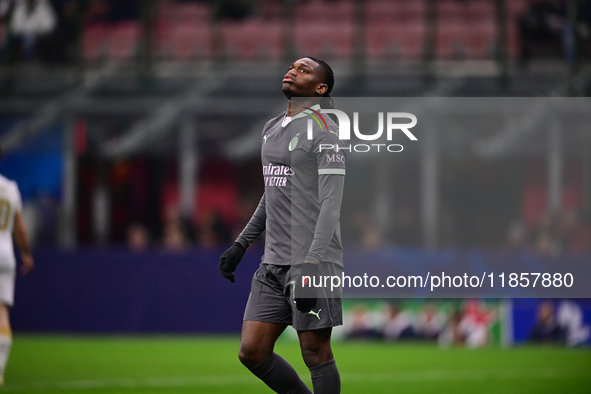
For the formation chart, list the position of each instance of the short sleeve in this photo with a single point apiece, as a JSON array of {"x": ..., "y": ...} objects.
[
  {"x": 329, "y": 152},
  {"x": 18, "y": 203}
]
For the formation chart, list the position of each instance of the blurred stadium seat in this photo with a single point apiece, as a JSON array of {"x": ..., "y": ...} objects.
[
  {"x": 315, "y": 11},
  {"x": 481, "y": 40},
  {"x": 186, "y": 42},
  {"x": 387, "y": 42},
  {"x": 252, "y": 40},
  {"x": 395, "y": 30},
  {"x": 194, "y": 12},
  {"x": 94, "y": 43},
  {"x": 451, "y": 40},
  {"x": 479, "y": 10},
  {"x": 328, "y": 40},
  {"x": 269, "y": 9},
  {"x": 389, "y": 12},
  {"x": 515, "y": 9},
  {"x": 123, "y": 43},
  {"x": 451, "y": 11}
]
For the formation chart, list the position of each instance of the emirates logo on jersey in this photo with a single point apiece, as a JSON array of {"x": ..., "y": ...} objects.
[{"x": 276, "y": 175}]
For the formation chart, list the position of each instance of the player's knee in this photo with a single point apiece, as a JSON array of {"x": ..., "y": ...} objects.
[
  {"x": 314, "y": 355},
  {"x": 250, "y": 356}
]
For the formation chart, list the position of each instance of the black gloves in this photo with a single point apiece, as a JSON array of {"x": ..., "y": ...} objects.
[
  {"x": 230, "y": 259},
  {"x": 304, "y": 291}
]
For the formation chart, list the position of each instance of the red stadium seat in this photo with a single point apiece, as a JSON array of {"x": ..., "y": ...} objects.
[
  {"x": 187, "y": 42},
  {"x": 451, "y": 40},
  {"x": 376, "y": 9},
  {"x": 480, "y": 40},
  {"x": 451, "y": 11},
  {"x": 95, "y": 42},
  {"x": 480, "y": 12},
  {"x": 513, "y": 40},
  {"x": 481, "y": 8},
  {"x": 124, "y": 39},
  {"x": 399, "y": 41},
  {"x": 270, "y": 9},
  {"x": 396, "y": 12},
  {"x": 324, "y": 11},
  {"x": 252, "y": 40},
  {"x": 328, "y": 40},
  {"x": 187, "y": 13},
  {"x": 515, "y": 9}
]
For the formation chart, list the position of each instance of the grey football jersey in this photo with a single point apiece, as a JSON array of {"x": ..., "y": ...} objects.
[{"x": 304, "y": 180}]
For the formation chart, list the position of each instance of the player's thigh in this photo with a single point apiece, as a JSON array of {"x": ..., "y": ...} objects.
[
  {"x": 4, "y": 317},
  {"x": 267, "y": 301},
  {"x": 7, "y": 278},
  {"x": 260, "y": 334}
]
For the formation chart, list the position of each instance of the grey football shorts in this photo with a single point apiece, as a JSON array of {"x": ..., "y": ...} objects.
[{"x": 271, "y": 300}]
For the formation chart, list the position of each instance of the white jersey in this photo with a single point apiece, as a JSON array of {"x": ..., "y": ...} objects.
[{"x": 10, "y": 203}]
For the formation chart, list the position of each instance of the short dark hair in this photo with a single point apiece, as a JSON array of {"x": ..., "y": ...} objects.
[
  {"x": 326, "y": 101},
  {"x": 328, "y": 74}
]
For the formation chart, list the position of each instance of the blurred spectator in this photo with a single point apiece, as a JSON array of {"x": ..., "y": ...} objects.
[
  {"x": 213, "y": 232},
  {"x": 6, "y": 7},
  {"x": 475, "y": 324},
  {"x": 544, "y": 28},
  {"x": 430, "y": 322},
  {"x": 360, "y": 325},
  {"x": 541, "y": 27},
  {"x": 246, "y": 206},
  {"x": 31, "y": 21},
  {"x": 399, "y": 324},
  {"x": 551, "y": 238},
  {"x": 452, "y": 334},
  {"x": 406, "y": 229},
  {"x": 67, "y": 35},
  {"x": 546, "y": 328},
  {"x": 137, "y": 238},
  {"x": 516, "y": 239},
  {"x": 574, "y": 234},
  {"x": 546, "y": 245},
  {"x": 570, "y": 319},
  {"x": 370, "y": 236},
  {"x": 544, "y": 237},
  {"x": 174, "y": 238}
]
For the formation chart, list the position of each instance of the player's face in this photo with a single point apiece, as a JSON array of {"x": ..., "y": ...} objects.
[{"x": 304, "y": 78}]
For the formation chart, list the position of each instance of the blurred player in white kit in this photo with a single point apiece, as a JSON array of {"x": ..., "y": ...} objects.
[{"x": 11, "y": 219}]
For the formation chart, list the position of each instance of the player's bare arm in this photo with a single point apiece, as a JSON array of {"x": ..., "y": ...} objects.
[{"x": 22, "y": 240}]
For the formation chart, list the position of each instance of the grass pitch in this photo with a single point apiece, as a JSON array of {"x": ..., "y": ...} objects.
[{"x": 202, "y": 364}]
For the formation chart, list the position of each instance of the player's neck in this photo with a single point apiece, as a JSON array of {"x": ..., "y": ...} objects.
[{"x": 300, "y": 106}]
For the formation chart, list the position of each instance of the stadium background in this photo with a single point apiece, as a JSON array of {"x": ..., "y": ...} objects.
[{"x": 132, "y": 129}]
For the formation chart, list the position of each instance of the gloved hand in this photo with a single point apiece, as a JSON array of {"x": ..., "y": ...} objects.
[
  {"x": 305, "y": 294},
  {"x": 230, "y": 259}
]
